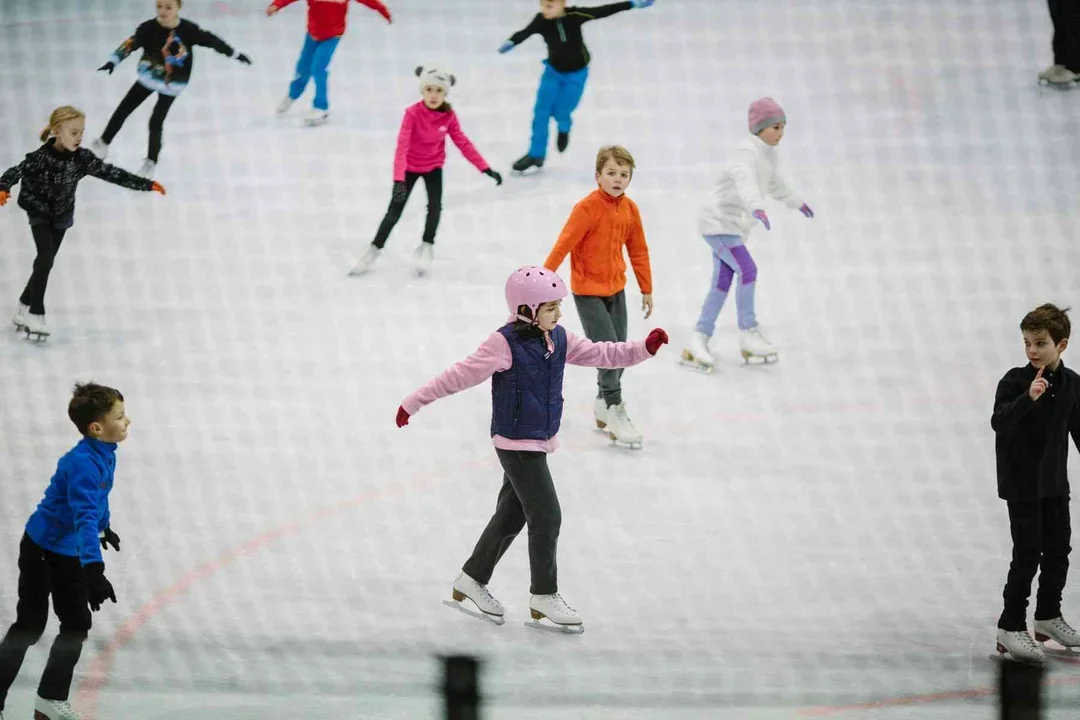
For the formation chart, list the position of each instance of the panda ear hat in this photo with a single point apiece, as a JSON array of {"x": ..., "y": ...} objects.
[{"x": 434, "y": 77}]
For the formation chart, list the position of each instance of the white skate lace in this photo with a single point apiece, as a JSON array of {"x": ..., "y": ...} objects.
[
  {"x": 561, "y": 604},
  {"x": 1028, "y": 643},
  {"x": 1059, "y": 625}
]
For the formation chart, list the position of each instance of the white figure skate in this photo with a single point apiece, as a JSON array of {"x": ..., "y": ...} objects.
[
  {"x": 19, "y": 320},
  {"x": 1019, "y": 646},
  {"x": 696, "y": 355},
  {"x": 284, "y": 105},
  {"x": 1061, "y": 633},
  {"x": 620, "y": 429},
  {"x": 1058, "y": 76},
  {"x": 54, "y": 710},
  {"x": 366, "y": 262},
  {"x": 147, "y": 169},
  {"x": 755, "y": 347},
  {"x": 100, "y": 148},
  {"x": 317, "y": 117},
  {"x": 35, "y": 327},
  {"x": 562, "y": 617},
  {"x": 599, "y": 412},
  {"x": 487, "y": 607},
  {"x": 422, "y": 259}
]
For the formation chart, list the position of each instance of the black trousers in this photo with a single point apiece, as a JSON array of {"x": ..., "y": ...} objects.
[
  {"x": 604, "y": 319},
  {"x": 433, "y": 184},
  {"x": 1040, "y": 535},
  {"x": 527, "y": 497},
  {"x": 1065, "y": 14},
  {"x": 47, "y": 238},
  {"x": 134, "y": 98},
  {"x": 41, "y": 574}
]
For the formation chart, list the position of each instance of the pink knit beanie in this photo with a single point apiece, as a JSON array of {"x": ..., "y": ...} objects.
[{"x": 763, "y": 113}]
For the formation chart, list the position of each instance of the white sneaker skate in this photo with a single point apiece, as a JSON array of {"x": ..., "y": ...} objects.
[
  {"x": 19, "y": 320},
  {"x": 755, "y": 346},
  {"x": 555, "y": 609},
  {"x": 697, "y": 355},
  {"x": 100, "y": 148},
  {"x": 1058, "y": 76},
  {"x": 599, "y": 412},
  {"x": 1019, "y": 645},
  {"x": 35, "y": 326},
  {"x": 146, "y": 170},
  {"x": 620, "y": 428},
  {"x": 54, "y": 710},
  {"x": 1059, "y": 631},
  {"x": 284, "y": 105},
  {"x": 490, "y": 609},
  {"x": 422, "y": 258},
  {"x": 317, "y": 117},
  {"x": 366, "y": 262}
]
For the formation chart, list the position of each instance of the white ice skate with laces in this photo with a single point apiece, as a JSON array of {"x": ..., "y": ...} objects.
[
  {"x": 755, "y": 347},
  {"x": 620, "y": 428},
  {"x": 54, "y": 710},
  {"x": 366, "y": 262},
  {"x": 599, "y": 412},
  {"x": 1060, "y": 632},
  {"x": 423, "y": 256},
  {"x": 19, "y": 321},
  {"x": 487, "y": 607},
  {"x": 696, "y": 355},
  {"x": 562, "y": 617},
  {"x": 146, "y": 170},
  {"x": 317, "y": 117},
  {"x": 35, "y": 327},
  {"x": 1019, "y": 646},
  {"x": 284, "y": 105}
]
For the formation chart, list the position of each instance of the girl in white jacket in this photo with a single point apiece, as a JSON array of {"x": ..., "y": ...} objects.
[{"x": 737, "y": 203}]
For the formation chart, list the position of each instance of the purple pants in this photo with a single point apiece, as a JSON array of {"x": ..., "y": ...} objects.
[{"x": 730, "y": 258}]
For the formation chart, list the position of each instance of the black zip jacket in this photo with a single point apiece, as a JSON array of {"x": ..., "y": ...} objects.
[{"x": 566, "y": 48}]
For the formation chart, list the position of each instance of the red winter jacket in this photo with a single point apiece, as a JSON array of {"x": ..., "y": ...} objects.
[{"x": 326, "y": 18}]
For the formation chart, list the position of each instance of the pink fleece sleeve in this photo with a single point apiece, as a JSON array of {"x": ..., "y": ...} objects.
[
  {"x": 458, "y": 136},
  {"x": 607, "y": 355},
  {"x": 491, "y": 357},
  {"x": 401, "y": 155}
]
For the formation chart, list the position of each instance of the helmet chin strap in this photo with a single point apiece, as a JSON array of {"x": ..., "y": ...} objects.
[{"x": 535, "y": 322}]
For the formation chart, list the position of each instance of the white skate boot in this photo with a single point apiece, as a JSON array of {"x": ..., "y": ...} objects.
[
  {"x": 35, "y": 327},
  {"x": 147, "y": 169},
  {"x": 599, "y": 412},
  {"x": 366, "y": 262},
  {"x": 54, "y": 710},
  {"x": 1058, "y": 76},
  {"x": 697, "y": 355},
  {"x": 1019, "y": 645},
  {"x": 317, "y": 117},
  {"x": 422, "y": 259},
  {"x": 620, "y": 429},
  {"x": 755, "y": 346},
  {"x": 490, "y": 609},
  {"x": 1059, "y": 631},
  {"x": 284, "y": 105},
  {"x": 100, "y": 148},
  {"x": 19, "y": 321},
  {"x": 555, "y": 609}
]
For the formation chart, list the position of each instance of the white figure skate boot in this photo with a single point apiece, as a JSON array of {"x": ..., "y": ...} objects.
[
  {"x": 35, "y": 327},
  {"x": 317, "y": 117},
  {"x": 147, "y": 169},
  {"x": 490, "y": 609},
  {"x": 697, "y": 355},
  {"x": 19, "y": 321},
  {"x": 1059, "y": 631},
  {"x": 1058, "y": 76},
  {"x": 599, "y": 412},
  {"x": 1019, "y": 645},
  {"x": 54, "y": 710},
  {"x": 100, "y": 148},
  {"x": 620, "y": 428},
  {"x": 422, "y": 258},
  {"x": 284, "y": 105},
  {"x": 367, "y": 261},
  {"x": 555, "y": 609},
  {"x": 756, "y": 347}
]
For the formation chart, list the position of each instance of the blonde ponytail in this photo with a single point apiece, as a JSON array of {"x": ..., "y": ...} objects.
[{"x": 60, "y": 116}]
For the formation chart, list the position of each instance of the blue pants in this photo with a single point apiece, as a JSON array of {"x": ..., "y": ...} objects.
[
  {"x": 314, "y": 63},
  {"x": 730, "y": 258},
  {"x": 557, "y": 97}
]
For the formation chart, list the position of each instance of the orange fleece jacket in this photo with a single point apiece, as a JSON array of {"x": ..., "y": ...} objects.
[{"x": 594, "y": 235}]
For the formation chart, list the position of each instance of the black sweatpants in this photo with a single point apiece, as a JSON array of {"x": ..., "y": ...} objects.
[
  {"x": 41, "y": 574},
  {"x": 47, "y": 238},
  {"x": 433, "y": 185},
  {"x": 527, "y": 497},
  {"x": 1065, "y": 14},
  {"x": 135, "y": 97},
  {"x": 604, "y": 320},
  {"x": 1040, "y": 533}
]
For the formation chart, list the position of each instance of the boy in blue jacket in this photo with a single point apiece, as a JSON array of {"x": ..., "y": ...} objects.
[{"x": 59, "y": 553}]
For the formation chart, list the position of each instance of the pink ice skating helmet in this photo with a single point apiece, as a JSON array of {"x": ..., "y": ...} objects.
[{"x": 532, "y": 286}]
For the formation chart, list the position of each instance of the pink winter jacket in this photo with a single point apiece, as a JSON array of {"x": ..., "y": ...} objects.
[
  {"x": 421, "y": 142},
  {"x": 494, "y": 356}
]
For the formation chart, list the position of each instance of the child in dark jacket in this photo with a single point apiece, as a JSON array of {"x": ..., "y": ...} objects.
[
  {"x": 1036, "y": 408},
  {"x": 59, "y": 553}
]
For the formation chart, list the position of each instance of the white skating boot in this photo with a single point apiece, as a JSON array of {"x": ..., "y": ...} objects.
[
  {"x": 599, "y": 412},
  {"x": 147, "y": 169},
  {"x": 755, "y": 346},
  {"x": 35, "y": 327},
  {"x": 697, "y": 355},
  {"x": 284, "y": 105},
  {"x": 1019, "y": 645},
  {"x": 317, "y": 117},
  {"x": 54, "y": 710},
  {"x": 620, "y": 428},
  {"x": 1058, "y": 76},
  {"x": 100, "y": 148},
  {"x": 422, "y": 258},
  {"x": 555, "y": 609},
  {"x": 19, "y": 321},
  {"x": 1059, "y": 631},
  {"x": 366, "y": 261},
  {"x": 490, "y": 609}
]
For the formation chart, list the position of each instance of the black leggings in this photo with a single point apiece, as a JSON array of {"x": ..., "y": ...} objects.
[
  {"x": 134, "y": 98},
  {"x": 47, "y": 239},
  {"x": 433, "y": 183},
  {"x": 1065, "y": 14}
]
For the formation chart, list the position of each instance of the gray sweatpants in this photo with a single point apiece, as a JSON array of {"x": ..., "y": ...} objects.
[{"x": 604, "y": 320}]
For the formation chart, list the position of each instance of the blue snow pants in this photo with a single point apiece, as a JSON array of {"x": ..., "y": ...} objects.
[
  {"x": 314, "y": 63},
  {"x": 557, "y": 97}
]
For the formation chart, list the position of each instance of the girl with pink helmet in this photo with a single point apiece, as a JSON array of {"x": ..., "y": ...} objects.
[{"x": 525, "y": 359}]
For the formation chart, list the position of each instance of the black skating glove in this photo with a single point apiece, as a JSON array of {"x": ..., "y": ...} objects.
[
  {"x": 107, "y": 67},
  {"x": 494, "y": 176},
  {"x": 243, "y": 58},
  {"x": 98, "y": 587},
  {"x": 107, "y": 538},
  {"x": 400, "y": 193}
]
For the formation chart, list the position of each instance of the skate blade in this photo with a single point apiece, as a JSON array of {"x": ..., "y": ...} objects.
[
  {"x": 526, "y": 173},
  {"x": 696, "y": 366},
  {"x": 752, "y": 359},
  {"x": 636, "y": 445},
  {"x": 35, "y": 336},
  {"x": 1057, "y": 651},
  {"x": 555, "y": 627},
  {"x": 493, "y": 619},
  {"x": 1003, "y": 655}
]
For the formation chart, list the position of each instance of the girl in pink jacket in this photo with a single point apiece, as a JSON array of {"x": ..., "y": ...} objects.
[
  {"x": 525, "y": 359},
  {"x": 421, "y": 152}
]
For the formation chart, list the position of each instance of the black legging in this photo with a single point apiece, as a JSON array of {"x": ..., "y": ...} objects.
[
  {"x": 134, "y": 98},
  {"x": 433, "y": 184},
  {"x": 1065, "y": 15},
  {"x": 47, "y": 239}
]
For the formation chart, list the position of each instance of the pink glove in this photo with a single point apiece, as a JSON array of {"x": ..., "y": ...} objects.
[
  {"x": 805, "y": 210},
  {"x": 402, "y": 417},
  {"x": 760, "y": 215},
  {"x": 656, "y": 338}
]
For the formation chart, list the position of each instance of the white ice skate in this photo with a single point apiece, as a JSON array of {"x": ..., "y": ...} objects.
[
  {"x": 1019, "y": 646},
  {"x": 366, "y": 262},
  {"x": 1058, "y": 76},
  {"x": 284, "y": 105},
  {"x": 1061, "y": 633},
  {"x": 19, "y": 320},
  {"x": 755, "y": 347},
  {"x": 147, "y": 169},
  {"x": 620, "y": 429},
  {"x": 35, "y": 327},
  {"x": 697, "y": 355},
  {"x": 100, "y": 148},
  {"x": 317, "y": 117},
  {"x": 562, "y": 617},
  {"x": 489, "y": 608},
  {"x": 599, "y": 412},
  {"x": 54, "y": 710},
  {"x": 422, "y": 258}
]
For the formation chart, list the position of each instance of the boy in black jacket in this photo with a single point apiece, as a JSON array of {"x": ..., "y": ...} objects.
[{"x": 1035, "y": 409}]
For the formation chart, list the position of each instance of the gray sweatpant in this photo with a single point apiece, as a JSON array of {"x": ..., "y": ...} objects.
[{"x": 604, "y": 320}]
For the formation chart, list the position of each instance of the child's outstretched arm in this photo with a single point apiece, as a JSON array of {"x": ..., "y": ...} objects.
[
  {"x": 117, "y": 176},
  {"x": 524, "y": 34},
  {"x": 377, "y": 7},
  {"x": 205, "y": 38},
  {"x": 1013, "y": 400},
  {"x": 602, "y": 11},
  {"x": 126, "y": 48},
  {"x": 10, "y": 178},
  {"x": 471, "y": 153},
  {"x": 277, "y": 5},
  {"x": 576, "y": 229},
  {"x": 612, "y": 355}
]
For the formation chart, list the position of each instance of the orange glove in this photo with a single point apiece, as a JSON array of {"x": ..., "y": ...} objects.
[
  {"x": 4, "y": 195},
  {"x": 158, "y": 187}
]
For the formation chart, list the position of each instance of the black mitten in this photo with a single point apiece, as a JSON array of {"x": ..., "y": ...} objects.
[
  {"x": 107, "y": 67},
  {"x": 98, "y": 587},
  {"x": 108, "y": 537},
  {"x": 494, "y": 176}
]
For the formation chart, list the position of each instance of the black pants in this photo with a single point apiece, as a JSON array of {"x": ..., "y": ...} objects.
[
  {"x": 1040, "y": 535},
  {"x": 47, "y": 238},
  {"x": 604, "y": 320},
  {"x": 527, "y": 497},
  {"x": 43, "y": 573},
  {"x": 1065, "y": 14},
  {"x": 134, "y": 98},
  {"x": 433, "y": 184}
]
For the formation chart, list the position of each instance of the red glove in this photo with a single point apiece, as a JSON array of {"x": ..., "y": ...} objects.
[
  {"x": 378, "y": 7},
  {"x": 402, "y": 417},
  {"x": 158, "y": 187},
  {"x": 4, "y": 195},
  {"x": 657, "y": 337}
]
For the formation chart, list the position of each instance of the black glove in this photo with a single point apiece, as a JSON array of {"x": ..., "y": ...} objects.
[
  {"x": 400, "y": 193},
  {"x": 243, "y": 58},
  {"x": 108, "y": 537},
  {"x": 109, "y": 66},
  {"x": 494, "y": 176},
  {"x": 98, "y": 587}
]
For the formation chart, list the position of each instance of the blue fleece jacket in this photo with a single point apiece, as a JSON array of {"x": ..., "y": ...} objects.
[{"x": 76, "y": 504}]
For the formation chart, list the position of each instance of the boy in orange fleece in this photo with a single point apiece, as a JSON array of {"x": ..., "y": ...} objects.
[{"x": 594, "y": 236}]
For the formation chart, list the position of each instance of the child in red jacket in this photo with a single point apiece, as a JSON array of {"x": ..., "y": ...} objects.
[{"x": 326, "y": 25}]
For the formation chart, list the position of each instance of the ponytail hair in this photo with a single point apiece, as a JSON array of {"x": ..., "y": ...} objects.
[{"x": 60, "y": 116}]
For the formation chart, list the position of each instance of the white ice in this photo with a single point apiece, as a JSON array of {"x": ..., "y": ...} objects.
[{"x": 821, "y": 532}]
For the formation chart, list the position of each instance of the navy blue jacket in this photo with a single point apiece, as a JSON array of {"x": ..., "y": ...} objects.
[{"x": 526, "y": 400}]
